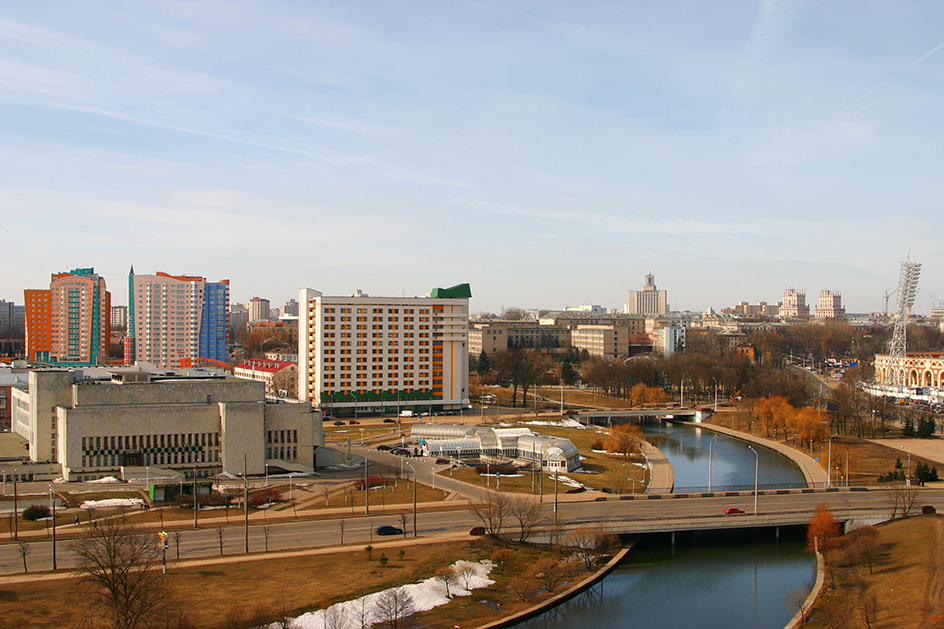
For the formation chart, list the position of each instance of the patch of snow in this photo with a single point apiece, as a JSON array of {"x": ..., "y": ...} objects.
[
  {"x": 344, "y": 468},
  {"x": 106, "y": 480},
  {"x": 564, "y": 423},
  {"x": 570, "y": 482},
  {"x": 426, "y": 595},
  {"x": 111, "y": 503}
]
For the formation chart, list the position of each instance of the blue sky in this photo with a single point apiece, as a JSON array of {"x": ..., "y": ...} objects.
[{"x": 548, "y": 153}]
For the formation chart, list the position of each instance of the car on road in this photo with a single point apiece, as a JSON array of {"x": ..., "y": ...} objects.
[
  {"x": 353, "y": 422},
  {"x": 733, "y": 510},
  {"x": 383, "y": 446},
  {"x": 338, "y": 423},
  {"x": 389, "y": 421},
  {"x": 401, "y": 452},
  {"x": 386, "y": 529},
  {"x": 441, "y": 461}
]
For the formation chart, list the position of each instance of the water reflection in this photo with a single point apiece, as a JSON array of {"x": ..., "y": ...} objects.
[
  {"x": 719, "y": 580},
  {"x": 686, "y": 447}
]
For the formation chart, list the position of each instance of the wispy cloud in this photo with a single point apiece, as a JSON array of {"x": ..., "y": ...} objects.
[{"x": 891, "y": 78}]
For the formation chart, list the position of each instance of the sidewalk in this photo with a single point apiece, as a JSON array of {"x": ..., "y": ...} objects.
[
  {"x": 812, "y": 471},
  {"x": 662, "y": 478}
]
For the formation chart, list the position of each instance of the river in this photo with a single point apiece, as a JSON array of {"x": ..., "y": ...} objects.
[{"x": 711, "y": 579}]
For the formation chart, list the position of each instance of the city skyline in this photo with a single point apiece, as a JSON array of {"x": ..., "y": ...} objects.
[{"x": 548, "y": 154}]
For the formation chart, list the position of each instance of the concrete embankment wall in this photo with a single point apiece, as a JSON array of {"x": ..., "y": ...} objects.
[{"x": 565, "y": 596}]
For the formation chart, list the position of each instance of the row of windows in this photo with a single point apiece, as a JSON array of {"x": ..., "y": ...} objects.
[
  {"x": 135, "y": 442},
  {"x": 154, "y": 458},
  {"x": 281, "y": 436},
  {"x": 376, "y": 310}
]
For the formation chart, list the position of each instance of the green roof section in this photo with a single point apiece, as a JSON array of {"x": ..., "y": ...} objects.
[{"x": 459, "y": 291}]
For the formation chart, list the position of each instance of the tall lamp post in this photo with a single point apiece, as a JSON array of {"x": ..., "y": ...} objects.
[
  {"x": 16, "y": 508},
  {"x": 414, "y": 496},
  {"x": 196, "y": 506},
  {"x": 907, "y": 478},
  {"x": 829, "y": 460},
  {"x": 52, "y": 497},
  {"x": 716, "y": 394},
  {"x": 710, "y": 459},
  {"x": 756, "y": 475}
]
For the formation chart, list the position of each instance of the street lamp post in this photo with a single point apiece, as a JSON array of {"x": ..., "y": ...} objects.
[
  {"x": 716, "y": 394},
  {"x": 196, "y": 506},
  {"x": 414, "y": 496},
  {"x": 710, "y": 459},
  {"x": 16, "y": 509},
  {"x": 829, "y": 460},
  {"x": 52, "y": 497},
  {"x": 908, "y": 477},
  {"x": 756, "y": 475},
  {"x": 246, "y": 501}
]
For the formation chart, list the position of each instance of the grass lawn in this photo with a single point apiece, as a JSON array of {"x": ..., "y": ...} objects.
[
  {"x": 867, "y": 460},
  {"x": 250, "y": 593},
  {"x": 340, "y": 434},
  {"x": 902, "y": 578},
  {"x": 395, "y": 493}
]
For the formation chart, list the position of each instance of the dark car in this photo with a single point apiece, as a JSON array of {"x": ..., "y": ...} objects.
[
  {"x": 733, "y": 510},
  {"x": 338, "y": 423},
  {"x": 442, "y": 461},
  {"x": 386, "y": 529},
  {"x": 382, "y": 447},
  {"x": 390, "y": 421}
]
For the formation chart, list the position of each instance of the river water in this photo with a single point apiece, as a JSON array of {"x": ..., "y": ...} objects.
[
  {"x": 687, "y": 448},
  {"x": 711, "y": 579}
]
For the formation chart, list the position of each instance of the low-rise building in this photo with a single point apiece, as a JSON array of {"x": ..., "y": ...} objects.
[
  {"x": 200, "y": 425},
  {"x": 275, "y": 374}
]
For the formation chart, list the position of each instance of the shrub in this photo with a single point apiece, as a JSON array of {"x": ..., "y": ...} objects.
[
  {"x": 35, "y": 512},
  {"x": 372, "y": 481},
  {"x": 265, "y": 497},
  {"x": 496, "y": 469}
]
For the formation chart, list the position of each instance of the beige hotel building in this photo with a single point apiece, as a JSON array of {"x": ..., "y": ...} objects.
[{"x": 384, "y": 353}]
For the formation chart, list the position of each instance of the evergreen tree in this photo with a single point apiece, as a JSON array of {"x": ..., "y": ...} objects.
[
  {"x": 908, "y": 429},
  {"x": 926, "y": 427},
  {"x": 568, "y": 375},
  {"x": 485, "y": 365}
]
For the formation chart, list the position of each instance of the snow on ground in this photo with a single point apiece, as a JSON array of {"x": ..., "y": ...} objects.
[
  {"x": 106, "y": 480},
  {"x": 111, "y": 503},
  {"x": 426, "y": 595},
  {"x": 564, "y": 423},
  {"x": 344, "y": 468},
  {"x": 570, "y": 482}
]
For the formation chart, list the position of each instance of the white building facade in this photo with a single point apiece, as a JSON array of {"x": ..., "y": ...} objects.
[{"x": 384, "y": 353}]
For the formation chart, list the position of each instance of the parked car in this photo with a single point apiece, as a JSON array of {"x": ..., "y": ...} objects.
[
  {"x": 353, "y": 422},
  {"x": 384, "y": 447},
  {"x": 442, "y": 461},
  {"x": 733, "y": 510},
  {"x": 338, "y": 423},
  {"x": 390, "y": 421},
  {"x": 386, "y": 529},
  {"x": 406, "y": 414}
]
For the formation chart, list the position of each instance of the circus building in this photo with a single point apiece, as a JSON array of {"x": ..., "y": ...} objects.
[{"x": 915, "y": 369}]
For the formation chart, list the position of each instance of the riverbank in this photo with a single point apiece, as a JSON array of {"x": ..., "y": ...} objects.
[
  {"x": 565, "y": 596},
  {"x": 814, "y": 474}
]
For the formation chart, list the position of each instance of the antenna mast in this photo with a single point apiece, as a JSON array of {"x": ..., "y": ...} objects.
[{"x": 898, "y": 347}]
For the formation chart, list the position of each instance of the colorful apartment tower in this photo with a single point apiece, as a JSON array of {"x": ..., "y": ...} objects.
[
  {"x": 384, "y": 353},
  {"x": 69, "y": 323},
  {"x": 176, "y": 317}
]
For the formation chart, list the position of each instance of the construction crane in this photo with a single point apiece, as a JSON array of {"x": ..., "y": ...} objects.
[{"x": 887, "y": 296}]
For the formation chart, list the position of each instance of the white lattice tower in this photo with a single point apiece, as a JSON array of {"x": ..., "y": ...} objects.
[{"x": 898, "y": 347}]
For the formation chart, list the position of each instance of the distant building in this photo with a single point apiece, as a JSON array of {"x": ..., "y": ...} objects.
[
  {"x": 591, "y": 308},
  {"x": 204, "y": 424},
  {"x": 69, "y": 323},
  {"x": 176, "y": 317},
  {"x": 830, "y": 306},
  {"x": 384, "y": 352},
  {"x": 649, "y": 300},
  {"x": 259, "y": 309},
  {"x": 671, "y": 338},
  {"x": 760, "y": 309},
  {"x": 290, "y": 308},
  {"x": 119, "y": 317},
  {"x": 917, "y": 369},
  {"x": 794, "y": 305},
  {"x": 270, "y": 372},
  {"x": 12, "y": 319}
]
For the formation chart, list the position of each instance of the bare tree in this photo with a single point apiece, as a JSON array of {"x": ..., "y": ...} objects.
[
  {"x": 266, "y": 531},
  {"x": 23, "y": 550},
  {"x": 835, "y": 616},
  {"x": 465, "y": 573},
  {"x": 177, "y": 536},
  {"x": 326, "y": 490},
  {"x": 118, "y": 565},
  {"x": 587, "y": 544},
  {"x": 447, "y": 575},
  {"x": 528, "y": 513},
  {"x": 404, "y": 520},
  {"x": 492, "y": 511},
  {"x": 869, "y": 609},
  {"x": 901, "y": 497},
  {"x": 618, "y": 480},
  {"x": 796, "y": 602},
  {"x": 523, "y": 587},
  {"x": 341, "y": 524},
  {"x": 395, "y": 608},
  {"x": 866, "y": 551},
  {"x": 550, "y": 573},
  {"x": 502, "y": 559},
  {"x": 220, "y": 532},
  {"x": 363, "y": 615}
]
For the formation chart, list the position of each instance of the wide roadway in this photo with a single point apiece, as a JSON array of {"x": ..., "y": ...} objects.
[{"x": 358, "y": 530}]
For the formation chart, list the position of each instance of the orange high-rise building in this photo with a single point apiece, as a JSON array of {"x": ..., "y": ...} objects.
[{"x": 68, "y": 324}]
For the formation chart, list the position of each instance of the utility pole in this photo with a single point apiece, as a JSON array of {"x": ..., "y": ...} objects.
[
  {"x": 53, "y": 496},
  {"x": 366, "y": 488},
  {"x": 246, "y": 501}
]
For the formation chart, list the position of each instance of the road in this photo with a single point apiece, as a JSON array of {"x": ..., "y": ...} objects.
[{"x": 196, "y": 543}]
